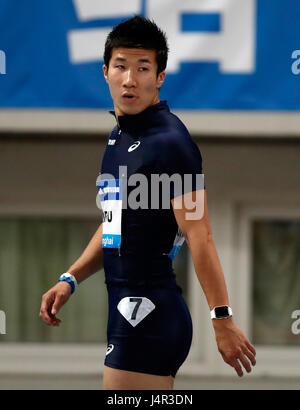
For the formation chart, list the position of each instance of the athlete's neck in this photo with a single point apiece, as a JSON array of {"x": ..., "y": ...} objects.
[{"x": 119, "y": 113}]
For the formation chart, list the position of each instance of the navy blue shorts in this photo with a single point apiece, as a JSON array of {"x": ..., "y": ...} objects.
[{"x": 149, "y": 331}]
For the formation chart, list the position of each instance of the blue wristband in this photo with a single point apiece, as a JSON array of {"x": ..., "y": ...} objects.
[{"x": 70, "y": 281}]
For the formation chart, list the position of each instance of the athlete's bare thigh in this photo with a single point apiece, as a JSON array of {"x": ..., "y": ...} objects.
[{"x": 115, "y": 379}]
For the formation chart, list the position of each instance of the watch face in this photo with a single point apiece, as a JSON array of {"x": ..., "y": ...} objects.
[{"x": 221, "y": 311}]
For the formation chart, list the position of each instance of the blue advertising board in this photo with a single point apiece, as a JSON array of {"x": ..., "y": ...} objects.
[{"x": 224, "y": 54}]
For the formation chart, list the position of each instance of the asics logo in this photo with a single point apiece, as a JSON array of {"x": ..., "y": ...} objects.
[
  {"x": 109, "y": 349},
  {"x": 134, "y": 146}
]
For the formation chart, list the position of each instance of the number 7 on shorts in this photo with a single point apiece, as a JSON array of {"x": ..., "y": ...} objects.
[{"x": 134, "y": 314}]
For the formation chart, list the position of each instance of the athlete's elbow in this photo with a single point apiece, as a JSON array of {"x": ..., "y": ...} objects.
[{"x": 200, "y": 235}]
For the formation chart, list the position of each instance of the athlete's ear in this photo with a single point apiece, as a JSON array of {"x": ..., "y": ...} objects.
[
  {"x": 161, "y": 78},
  {"x": 105, "y": 72}
]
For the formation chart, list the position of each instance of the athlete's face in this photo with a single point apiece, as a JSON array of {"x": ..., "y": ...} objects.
[{"x": 132, "y": 79}]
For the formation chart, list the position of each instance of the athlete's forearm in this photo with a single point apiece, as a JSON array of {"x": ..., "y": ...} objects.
[
  {"x": 208, "y": 267},
  {"x": 91, "y": 259}
]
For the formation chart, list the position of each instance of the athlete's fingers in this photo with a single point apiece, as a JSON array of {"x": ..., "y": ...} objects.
[
  {"x": 58, "y": 302},
  {"x": 62, "y": 294},
  {"x": 55, "y": 321},
  {"x": 245, "y": 362},
  {"x": 251, "y": 356},
  {"x": 46, "y": 309},
  {"x": 52, "y": 321},
  {"x": 52, "y": 301},
  {"x": 251, "y": 347},
  {"x": 238, "y": 368},
  {"x": 47, "y": 300},
  {"x": 231, "y": 358}
]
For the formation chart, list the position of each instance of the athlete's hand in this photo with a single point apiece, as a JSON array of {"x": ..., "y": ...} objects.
[
  {"x": 52, "y": 301},
  {"x": 234, "y": 346}
]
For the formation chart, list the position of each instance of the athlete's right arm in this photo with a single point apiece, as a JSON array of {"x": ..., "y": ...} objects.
[{"x": 90, "y": 262}]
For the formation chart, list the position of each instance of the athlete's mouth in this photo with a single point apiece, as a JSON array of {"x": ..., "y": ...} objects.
[{"x": 129, "y": 96}]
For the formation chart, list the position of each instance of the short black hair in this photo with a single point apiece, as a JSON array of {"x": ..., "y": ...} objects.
[{"x": 138, "y": 32}]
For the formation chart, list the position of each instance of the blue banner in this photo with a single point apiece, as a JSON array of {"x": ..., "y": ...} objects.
[{"x": 225, "y": 55}]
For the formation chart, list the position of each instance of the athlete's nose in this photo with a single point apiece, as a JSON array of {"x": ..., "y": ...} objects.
[{"x": 129, "y": 80}]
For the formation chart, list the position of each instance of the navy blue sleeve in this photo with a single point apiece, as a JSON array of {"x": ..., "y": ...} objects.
[{"x": 180, "y": 158}]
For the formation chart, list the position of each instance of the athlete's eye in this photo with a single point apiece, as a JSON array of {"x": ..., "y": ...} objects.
[
  {"x": 143, "y": 69},
  {"x": 119, "y": 66}
]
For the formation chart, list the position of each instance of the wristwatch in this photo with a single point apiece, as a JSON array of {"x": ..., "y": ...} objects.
[{"x": 221, "y": 312}]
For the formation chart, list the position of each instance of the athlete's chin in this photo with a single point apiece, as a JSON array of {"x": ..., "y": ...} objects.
[
  {"x": 133, "y": 110},
  {"x": 133, "y": 107}
]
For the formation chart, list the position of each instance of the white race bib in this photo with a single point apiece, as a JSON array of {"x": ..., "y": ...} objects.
[
  {"x": 110, "y": 195},
  {"x": 135, "y": 308}
]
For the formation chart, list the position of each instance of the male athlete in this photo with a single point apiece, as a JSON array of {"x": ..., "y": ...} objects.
[{"x": 149, "y": 329}]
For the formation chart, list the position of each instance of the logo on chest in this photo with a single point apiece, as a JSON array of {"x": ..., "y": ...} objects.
[{"x": 134, "y": 146}]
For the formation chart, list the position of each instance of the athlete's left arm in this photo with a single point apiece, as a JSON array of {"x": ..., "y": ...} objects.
[{"x": 191, "y": 214}]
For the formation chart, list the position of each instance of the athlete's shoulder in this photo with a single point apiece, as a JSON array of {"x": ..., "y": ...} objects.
[
  {"x": 176, "y": 152},
  {"x": 176, "y": 140},
  {"x": 171, "y": 130}
]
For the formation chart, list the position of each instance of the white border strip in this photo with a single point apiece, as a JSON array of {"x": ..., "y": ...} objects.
[{"x": 208, "y": 123}]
